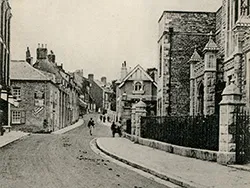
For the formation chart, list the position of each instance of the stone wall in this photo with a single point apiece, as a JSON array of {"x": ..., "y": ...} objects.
[
  {"x": 190, "y": 29},
  {"x": 35, "y": 114},
  {"x": 206, "y": 155},
  {"x": 97, "y": 94}
]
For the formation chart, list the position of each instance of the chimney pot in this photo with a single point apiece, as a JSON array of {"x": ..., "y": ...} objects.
[{"x": 91, "y": 77}]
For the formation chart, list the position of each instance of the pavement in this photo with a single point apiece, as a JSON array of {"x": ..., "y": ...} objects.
[
  {"x": 13, "y": 136},
  {"x": 10, "y": 137},
  {"x": 183, "y": 171},
  {"x": 69, "y": 128}
]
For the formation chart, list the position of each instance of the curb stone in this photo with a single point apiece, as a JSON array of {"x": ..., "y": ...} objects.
[
  {"x": 168, "y": 184},
  {"x": 240, "y": 167},
  {"x": 176, "y": 180}
]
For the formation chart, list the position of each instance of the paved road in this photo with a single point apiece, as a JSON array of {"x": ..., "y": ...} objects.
[{"x": 64, "y": 161}]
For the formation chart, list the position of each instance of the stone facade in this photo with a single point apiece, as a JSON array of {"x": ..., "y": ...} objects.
[
  {"x": 214, "y": 50},
  {"x": 100, "y": 92},
  {"x": 179, "y": 33},
  {"x": 48, "y": 96},
  {"x": 132, "y": 87},
  {"x": 5, "y": 23}
]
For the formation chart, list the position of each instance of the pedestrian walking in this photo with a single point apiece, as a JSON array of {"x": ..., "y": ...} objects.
[{"x": 91, "y": 125}]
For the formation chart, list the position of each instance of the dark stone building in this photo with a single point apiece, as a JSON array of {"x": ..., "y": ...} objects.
[
  {"x": 5, "y": 22},
  {"x": 197, "y": 40}
]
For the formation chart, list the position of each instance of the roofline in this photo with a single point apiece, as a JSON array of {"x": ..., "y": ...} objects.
[
  {"x": 127, "y": 76},
  {"x": 18, "y": 79},
  {"x": 219, "y": 9},
  {"x": 184, "y": 11}
]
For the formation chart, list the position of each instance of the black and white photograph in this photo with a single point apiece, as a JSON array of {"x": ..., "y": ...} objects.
[{"x": 124, "y": 94}]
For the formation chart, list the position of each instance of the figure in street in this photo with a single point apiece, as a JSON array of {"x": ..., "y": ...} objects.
[
  {"x": 116, "y": 129},
  {"x": 91, "y": 125}
]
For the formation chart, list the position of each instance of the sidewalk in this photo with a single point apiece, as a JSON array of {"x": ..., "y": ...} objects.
[
  {"x": 186, "y": 172},
  {"x": 10, "y": 137},
  {"x": 69, "y": 128}
]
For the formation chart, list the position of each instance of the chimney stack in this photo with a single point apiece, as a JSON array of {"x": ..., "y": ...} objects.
[
  {"x": 91, "y": 77},
  {"x": 79, "y": 72},
  {"x": 28, "y": 56},
  {"x": 41, "y": 52},
  {"x": 104, "y": 80},
  {"x": 52, "y": 57},
  {"x": 124, "y": 70}
]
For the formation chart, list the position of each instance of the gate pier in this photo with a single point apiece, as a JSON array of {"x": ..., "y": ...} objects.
[{"x": 231, "y": 100}]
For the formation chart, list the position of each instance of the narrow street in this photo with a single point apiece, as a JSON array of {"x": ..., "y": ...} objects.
[{"x": 64, "y": 161}]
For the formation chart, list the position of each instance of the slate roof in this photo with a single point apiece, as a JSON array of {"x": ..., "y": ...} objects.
[
  {"x": 211, "y": 45},
  {"x": 195, "y": 57},
  {"x": 105, "y": 88},
  {"x": 132, "y": 72},
  {"x": 22, "y": 70}
]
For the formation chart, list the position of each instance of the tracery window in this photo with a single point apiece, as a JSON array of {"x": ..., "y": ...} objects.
[{"x": 245, "y": 7}]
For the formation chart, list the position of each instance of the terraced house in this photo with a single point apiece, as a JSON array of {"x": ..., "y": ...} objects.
[
  {"x": 199, "y": 54},
  {"x": 46, "y": 93},
  {"x": 5, "y": 95}
]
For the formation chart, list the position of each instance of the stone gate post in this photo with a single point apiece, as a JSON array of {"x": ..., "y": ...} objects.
[
  {"x": 231, "y": 99},
  {"x": 133, "y": 126},
  {"x": 140, "y": 110}
]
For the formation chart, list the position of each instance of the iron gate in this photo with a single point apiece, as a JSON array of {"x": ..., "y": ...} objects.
[{"x": 242, "y": 122}]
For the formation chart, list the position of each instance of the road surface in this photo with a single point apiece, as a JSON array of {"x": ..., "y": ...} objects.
[{"x": 64, "y": 161}]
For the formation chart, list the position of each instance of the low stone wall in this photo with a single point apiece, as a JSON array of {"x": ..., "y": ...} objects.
[{"x": 206, "y": 155}]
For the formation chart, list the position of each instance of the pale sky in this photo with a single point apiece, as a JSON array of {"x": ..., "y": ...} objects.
[{"x": 94, "y": 35}]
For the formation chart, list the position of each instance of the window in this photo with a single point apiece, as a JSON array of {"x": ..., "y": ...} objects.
[
  {"x": 138, "y": 86},
  {"x": 16, "y": 117},
  {"x": 160, "y": 62},
  {"x": 210, "y": 61},
  {"x": 16, "y": 93},
  {"x": 245, "y": 7}
]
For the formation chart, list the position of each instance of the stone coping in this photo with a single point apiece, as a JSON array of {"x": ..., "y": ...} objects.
[{"x": 207, "y": 155}]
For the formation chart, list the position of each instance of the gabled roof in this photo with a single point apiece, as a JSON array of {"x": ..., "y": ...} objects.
[
  {"x": 22, "y": 70},
  {"x": 211, "y": 45},
  {"x": 195, "y": 57},
  {"x": 243, "y": 21},
  {"x": 137, "y": 67}
]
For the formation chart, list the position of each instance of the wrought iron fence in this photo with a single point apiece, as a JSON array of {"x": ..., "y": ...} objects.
[
  {"x": 242, "y": 135},
  {"x": 196, "y": 132}
]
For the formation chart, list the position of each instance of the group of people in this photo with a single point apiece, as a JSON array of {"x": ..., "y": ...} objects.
[{"x": 115, "y": 128}]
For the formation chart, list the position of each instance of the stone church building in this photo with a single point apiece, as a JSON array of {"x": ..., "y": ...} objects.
[{"x": 199, "y": 54}]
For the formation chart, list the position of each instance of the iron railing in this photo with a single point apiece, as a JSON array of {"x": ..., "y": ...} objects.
[
  {"x": 196, "y": 132},
  {"x": 241, "y": 134}
]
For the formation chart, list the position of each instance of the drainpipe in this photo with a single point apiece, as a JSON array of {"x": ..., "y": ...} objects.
[{"x": 171, "y": 29}]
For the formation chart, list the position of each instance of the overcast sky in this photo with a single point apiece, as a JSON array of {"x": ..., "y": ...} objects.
[{"x": 95, "y": 35}]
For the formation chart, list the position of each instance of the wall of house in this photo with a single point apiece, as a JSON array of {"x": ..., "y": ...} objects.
[
  {"x": 34, "y": 114},
  {"x": 97, "y": 94}
]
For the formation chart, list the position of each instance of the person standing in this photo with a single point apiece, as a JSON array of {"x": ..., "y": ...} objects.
[
  {"x": 91, "y": 125},
  {"x": 113, "y": 129}
]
